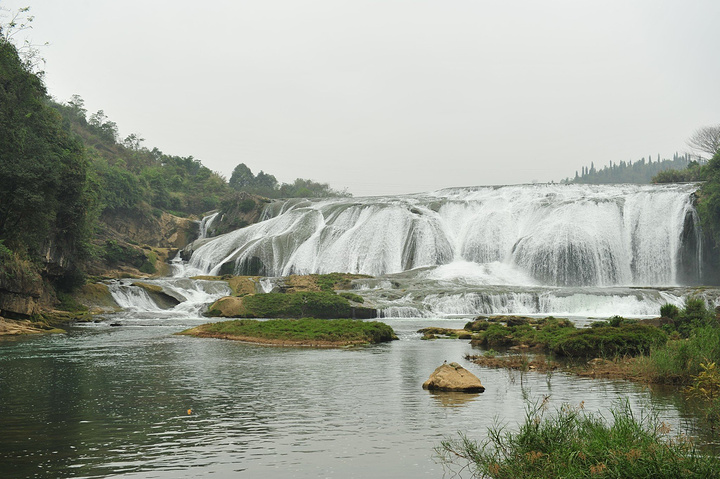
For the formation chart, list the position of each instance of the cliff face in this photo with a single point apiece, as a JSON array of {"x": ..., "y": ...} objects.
[
  {"x": 127, "y": 246},
  {"x": 163, "y": 231},
  {"x": 21, "y": 288}
]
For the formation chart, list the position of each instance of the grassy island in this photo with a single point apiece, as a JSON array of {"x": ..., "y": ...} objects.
[{"x": 298, "y": 332}]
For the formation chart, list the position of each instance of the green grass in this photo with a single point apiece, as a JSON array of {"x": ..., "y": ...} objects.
[
  {"x": 679, "y": 360},
  {"x": 297, "y": 305},
  {"x": 573, "y": 443},
  {"x": 306, "y": 329}
]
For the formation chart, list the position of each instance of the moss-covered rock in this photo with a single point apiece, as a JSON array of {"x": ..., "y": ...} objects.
[{"x": 96, "y": 298}]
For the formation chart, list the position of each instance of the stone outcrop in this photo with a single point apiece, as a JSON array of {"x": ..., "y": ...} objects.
[
  {"x": 162, "y": 298},
  {"x": 97, "y": 298},
  {"x": 228, "y": 307},
  {"x": 164, "y": 231},
  {"x": 21, "y": 288},
  {"x": 453, "y": 377}
]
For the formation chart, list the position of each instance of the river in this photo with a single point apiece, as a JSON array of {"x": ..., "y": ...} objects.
[{"x": 104, "y": 401}]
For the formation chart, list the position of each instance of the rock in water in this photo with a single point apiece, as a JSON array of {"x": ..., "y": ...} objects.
[{"x": 453, "y": 377}]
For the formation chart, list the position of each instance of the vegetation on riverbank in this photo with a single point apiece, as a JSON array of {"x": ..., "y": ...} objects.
[
  {"x": 628, "y": 348},
  {"x": 561, "y": 337},
  {"x": 574, "y": 443},
  {"x": 298, "y": 332}
]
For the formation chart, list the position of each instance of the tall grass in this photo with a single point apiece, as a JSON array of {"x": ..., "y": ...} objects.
[{"x": 573, "y": 443}]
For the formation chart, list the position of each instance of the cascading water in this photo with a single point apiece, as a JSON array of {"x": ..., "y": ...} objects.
[
  {"x": 556, "y": 235},
  {"x": 174, "y": 298},
  {"x": 534, "y": 249}
]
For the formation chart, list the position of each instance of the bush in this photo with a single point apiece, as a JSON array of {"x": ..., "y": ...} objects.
[
  {"x": 669, "y": 311},
  {"x": 608, "y": 341}
]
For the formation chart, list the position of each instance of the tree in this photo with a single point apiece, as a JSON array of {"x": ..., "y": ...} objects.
[
  {"x": 266, "y": 180},
  {"x": 242, "y": 177},
  {"x": 27, "y": 51},
  {"x": 705, "y": 142},
  {"x": 77, "y": 105},
  {"x": 43, "y": 167}
]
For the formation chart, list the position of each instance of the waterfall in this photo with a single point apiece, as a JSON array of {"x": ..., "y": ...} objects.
[
  {"x": 206, "y": 223},
  {"x": 191, "y": 296},
  {"x": 559, "y": 235}
]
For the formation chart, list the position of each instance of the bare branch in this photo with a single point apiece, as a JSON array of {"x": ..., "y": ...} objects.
[
  {"x": 705, "y": 141},
  {"x": 17, "y": 22}
]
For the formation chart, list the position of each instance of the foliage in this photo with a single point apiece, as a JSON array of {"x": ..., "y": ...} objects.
[
  {"x": 669, "y": 311},
  {"x": 306, "y": 329},
  {"x": 44, "y": 199},
  {"x": 264, "y": 184},
  {"x": 574, "y": 443},
  {"x": 679, "y": 360},
  {"x": 618, "y": 337},
  {"x": 610, "y": 341},
  {"x": 705, "y": 386}
]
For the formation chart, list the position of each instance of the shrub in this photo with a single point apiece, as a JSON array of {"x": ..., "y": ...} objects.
[
  {"x": 610, "y": 341},
  {"x": 669, "y": 311}
]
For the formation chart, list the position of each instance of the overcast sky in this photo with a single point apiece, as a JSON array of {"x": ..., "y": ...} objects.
[{"x": 391, "y": 96}]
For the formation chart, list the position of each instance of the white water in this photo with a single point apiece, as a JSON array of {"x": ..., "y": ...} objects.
[
  {"x": 566, "y": 235},
  {"x": 193, "y": 297},
  {"x": 571, "y": 250}
]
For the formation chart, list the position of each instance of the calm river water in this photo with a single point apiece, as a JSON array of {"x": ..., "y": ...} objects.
[{"x": 106, "y": 401}]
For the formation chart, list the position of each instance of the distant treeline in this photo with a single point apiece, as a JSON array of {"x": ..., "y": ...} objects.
[{"x": 639, "y": 172}]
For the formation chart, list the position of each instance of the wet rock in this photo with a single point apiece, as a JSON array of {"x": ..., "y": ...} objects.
[
  {"x": 228, "y": 307},
  {"x": 453, "y": 377},
  {"x": 161, "y": 297}
]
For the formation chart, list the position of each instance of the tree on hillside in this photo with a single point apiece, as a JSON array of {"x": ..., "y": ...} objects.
[
  {"x": 43, "y": 181},
  {"x": 705, "y": 141},
  {"x": 241, "y": 177}
]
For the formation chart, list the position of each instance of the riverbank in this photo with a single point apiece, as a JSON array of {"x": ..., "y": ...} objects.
[{"x": 306, "y": 332}]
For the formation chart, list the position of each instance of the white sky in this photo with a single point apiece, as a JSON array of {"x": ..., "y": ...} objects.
[{"x": 391, "y": 96}]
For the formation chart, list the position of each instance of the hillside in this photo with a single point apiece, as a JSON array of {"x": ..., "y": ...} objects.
[{"x": 79, "y": 203}]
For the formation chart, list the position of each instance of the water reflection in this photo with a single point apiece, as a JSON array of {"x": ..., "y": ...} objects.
[{"x": 453, "y": 398}]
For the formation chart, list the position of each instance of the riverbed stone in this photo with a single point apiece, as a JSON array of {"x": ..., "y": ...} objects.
[{"x": 453, "y": 377}]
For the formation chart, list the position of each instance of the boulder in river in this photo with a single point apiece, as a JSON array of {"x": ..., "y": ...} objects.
[{"x": 453, "y": 377}]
